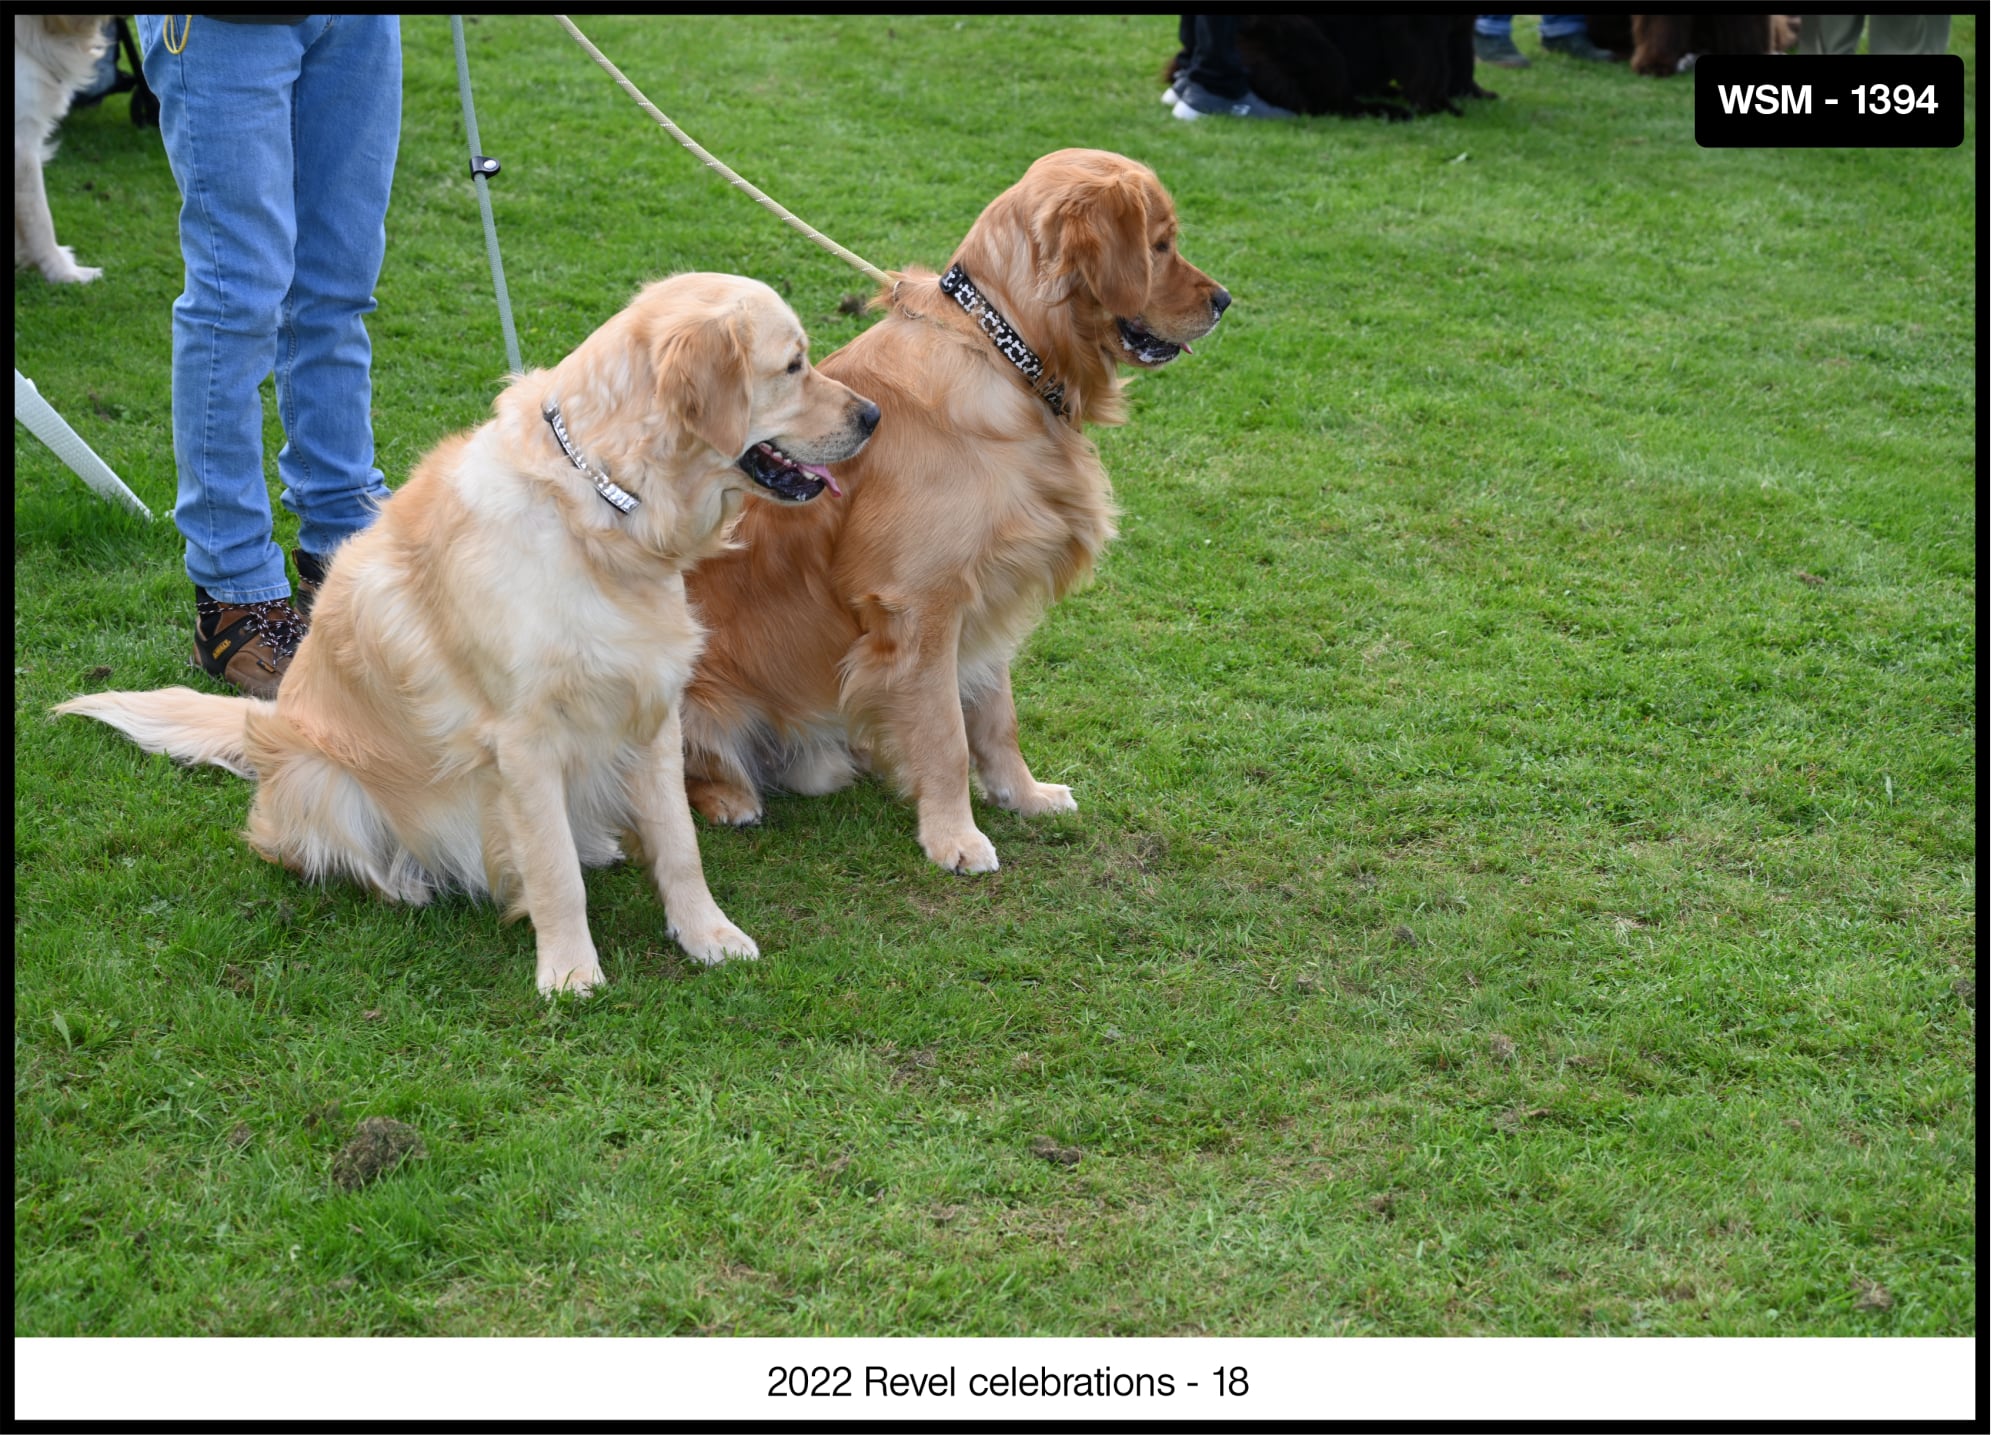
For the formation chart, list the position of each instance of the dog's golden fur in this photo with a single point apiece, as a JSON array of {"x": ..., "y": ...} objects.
[
  {"x": 878, "y": 628},
  {"x": 488, "y": 697},
  {"x": 54, "y": 56}
]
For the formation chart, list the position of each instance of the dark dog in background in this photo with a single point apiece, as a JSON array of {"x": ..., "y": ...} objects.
[
  {"x": 1667, "y": 44},
  {"x": 1393, "y": 66}
]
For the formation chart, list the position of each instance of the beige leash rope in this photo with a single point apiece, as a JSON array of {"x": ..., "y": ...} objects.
[{"x": 717, "y": 165}]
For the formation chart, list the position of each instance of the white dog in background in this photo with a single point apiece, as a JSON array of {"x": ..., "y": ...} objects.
[{"x": 54, "y": 55}]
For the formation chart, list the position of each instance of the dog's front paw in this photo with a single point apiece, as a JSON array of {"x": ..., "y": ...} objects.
[
  {"x": 966, "y": 851},
  {"x": 62, "y": 268},
  {"x": 576, "y": 977},
  {"x": 1040, "y": 799},
  {"x": 716, "y": 939},
  {"x": 725, "y": 802}
]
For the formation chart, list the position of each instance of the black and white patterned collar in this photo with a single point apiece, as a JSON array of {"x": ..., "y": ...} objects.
[
  {"x": 1004, "y": 336},
  {"x": 610, "y": 492}
]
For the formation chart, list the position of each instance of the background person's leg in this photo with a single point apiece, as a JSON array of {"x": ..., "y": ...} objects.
[
  {"x": 1493, "y": 42},
  {"x": 1901, "y": 34},
  {"x": 1215, "y": 65},
  {"x": 1830, "y": 34},
  {"x": 1569, "y": 35}
]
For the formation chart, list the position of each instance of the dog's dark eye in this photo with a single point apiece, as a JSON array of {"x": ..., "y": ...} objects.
[
  {"x": 1163, "y": 246},
  {"x": 795, "y": 366}
]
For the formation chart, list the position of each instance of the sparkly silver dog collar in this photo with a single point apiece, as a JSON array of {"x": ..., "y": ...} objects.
[
  {"x": 610, "y": 492},
  {"x": 1003, "y": 334}
]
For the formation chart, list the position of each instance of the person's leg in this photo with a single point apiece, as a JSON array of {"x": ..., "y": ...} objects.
[
  {"x": 346, "y": 116},
  {"x": 226, "y": 118},
  {"x": 1567, "y": 35},
  {"x": 1180, "y": 62},
  {"x": 1830, "y": 34},
  {"x": 1217, "y": 81},
  {"x": 1493, "y": 42},
  {"x": 1215, "y": 65},
  {"x": 1909, "y": 34}
]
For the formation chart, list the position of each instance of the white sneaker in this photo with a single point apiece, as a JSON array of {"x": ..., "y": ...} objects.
[{"x": 1194, "y": 102}]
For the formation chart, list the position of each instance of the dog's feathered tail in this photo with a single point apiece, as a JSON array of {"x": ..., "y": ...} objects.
[{"x": 186, "y": 725}]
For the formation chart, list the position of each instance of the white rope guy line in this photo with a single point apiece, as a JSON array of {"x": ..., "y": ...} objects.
[{"x": 717, "y": 165}]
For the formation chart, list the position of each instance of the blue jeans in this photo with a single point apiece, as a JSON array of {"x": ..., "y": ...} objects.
[
  {"x": 1553, "y": 26},
  {"x": 283, "y": 141}
]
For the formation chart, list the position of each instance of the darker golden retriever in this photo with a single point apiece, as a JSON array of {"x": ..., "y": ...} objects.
[
  {"x": 878, "y": 630},
  {"x": 488, "y": 699}
]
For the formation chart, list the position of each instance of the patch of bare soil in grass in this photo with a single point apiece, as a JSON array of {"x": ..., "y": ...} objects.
[
  {"x": 379, "y": 1146},
  {"x": 1046, "y": 1148},
  {"x": 1870, "y": 1295}
]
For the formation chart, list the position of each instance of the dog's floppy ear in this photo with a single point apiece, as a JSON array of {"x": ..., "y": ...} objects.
[
  {"x": 1096, "y": 233},
  {"x": 703, "y": 368}
]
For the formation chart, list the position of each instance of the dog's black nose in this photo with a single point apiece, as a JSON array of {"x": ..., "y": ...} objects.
[
  {"x": 1220, "y": 301},
  {"x": 869, "y": 416}
]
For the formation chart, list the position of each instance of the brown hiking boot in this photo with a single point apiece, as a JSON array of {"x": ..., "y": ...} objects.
[
  {"x": 312, "y": 573},
  {"x": 247, "y": 645}
]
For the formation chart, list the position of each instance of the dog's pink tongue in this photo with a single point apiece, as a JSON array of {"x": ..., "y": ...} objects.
[{"x": 819, "y": 470}]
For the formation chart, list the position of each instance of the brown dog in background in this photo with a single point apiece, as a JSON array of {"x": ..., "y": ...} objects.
[
  {"x": 878, "y": 630},
  {"x": 488, "y": 700},
  {"x": 1662, "y": 45},
  {"x": 54, "y": 56}
]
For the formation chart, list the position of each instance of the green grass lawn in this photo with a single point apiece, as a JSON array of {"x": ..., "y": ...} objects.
[{"x": 1524, "y": 735}]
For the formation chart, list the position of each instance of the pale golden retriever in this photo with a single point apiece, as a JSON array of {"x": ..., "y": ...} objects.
[
  {"x": 488, "y": 698},
  {"x": 54, "y": 56},
  {"x": 878, "y": 630}
]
